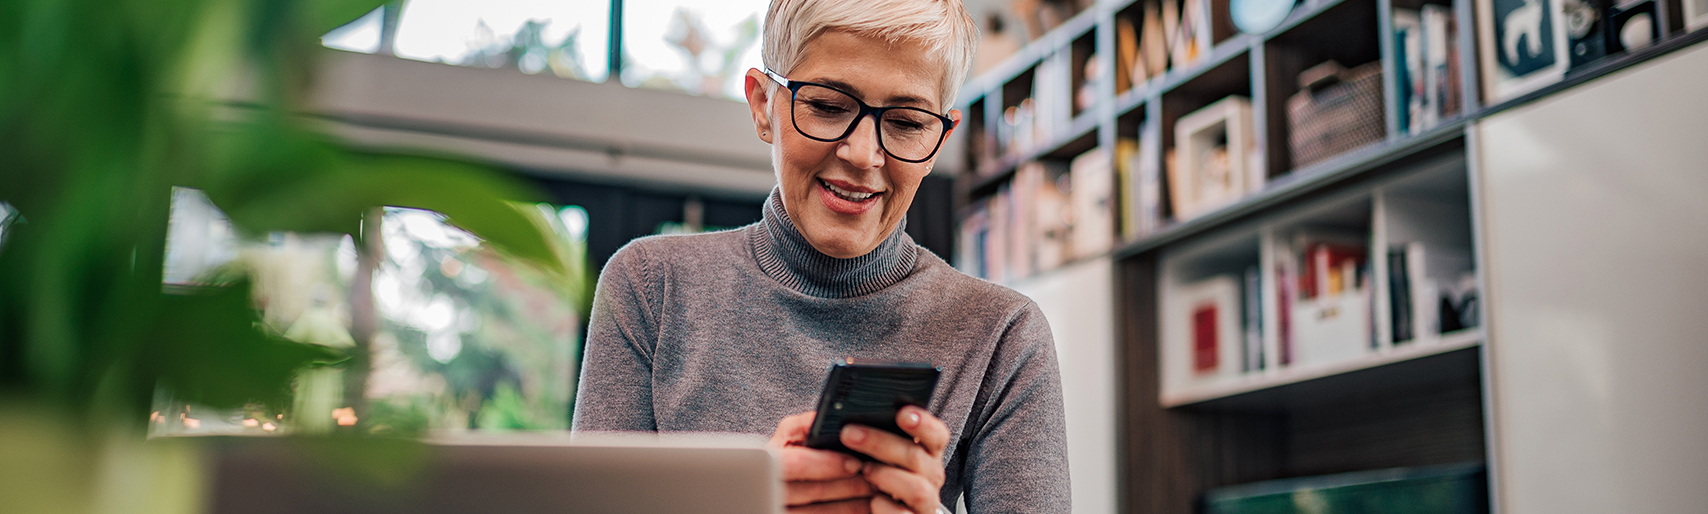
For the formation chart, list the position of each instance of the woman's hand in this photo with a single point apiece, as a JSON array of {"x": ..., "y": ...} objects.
[
  {"x": 909, "y": 473},
  {"x": 820, "y": 481}
]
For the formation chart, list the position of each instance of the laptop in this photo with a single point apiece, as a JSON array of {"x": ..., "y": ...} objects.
[{"x": 491, "y": 475}]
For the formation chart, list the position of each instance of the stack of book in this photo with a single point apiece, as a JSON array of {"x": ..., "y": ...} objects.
[
  {"x": 1431, "y": 291},
  {"x": 1048, "y": 215},
  {"x": 1138, "y": 168},
  {"x": 1324, "y": 298},
  {"x": 1429, "y": 81}
]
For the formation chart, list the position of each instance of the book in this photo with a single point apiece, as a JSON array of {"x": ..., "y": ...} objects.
[
  {"x": 1147, "y": 167},
  {"x": 1408, "y": 74},
  {"x": 1092, "y": 196},
  {"x": 1399, "y": 295},
  {"x": 1331, "y": 318},
  {"x": 1052, "y": 228},
  {"x": 1126, "y": 188},
  {"x": 1253, "y": 323},
  {"x": 1212, "y": 340},
  {"x": 1129, "y": 64},
  {"x": 1434, "y": 61}
]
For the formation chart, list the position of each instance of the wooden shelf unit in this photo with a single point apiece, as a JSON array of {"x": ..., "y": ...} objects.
[{"x": 1417, "y": 404}]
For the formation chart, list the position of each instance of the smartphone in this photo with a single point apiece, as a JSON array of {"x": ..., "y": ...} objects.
[{"x": 868, "y": 393}]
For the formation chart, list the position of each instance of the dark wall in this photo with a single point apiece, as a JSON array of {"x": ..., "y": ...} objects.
[{"x": 618, "y": 214}]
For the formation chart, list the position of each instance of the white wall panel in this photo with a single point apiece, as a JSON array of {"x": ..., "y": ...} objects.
[
  {"x": 1595, "y": 217},
  {"x": 1079, "y": 302}
]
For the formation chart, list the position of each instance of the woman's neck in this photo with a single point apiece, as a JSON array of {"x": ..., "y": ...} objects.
[{"x": 788, "y": 257}]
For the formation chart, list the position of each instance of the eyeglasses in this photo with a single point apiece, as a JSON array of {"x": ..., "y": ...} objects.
[{"x": 824, "y": 113}]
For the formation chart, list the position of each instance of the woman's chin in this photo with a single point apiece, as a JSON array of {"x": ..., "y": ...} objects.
[{"x": 842, "y": 242}]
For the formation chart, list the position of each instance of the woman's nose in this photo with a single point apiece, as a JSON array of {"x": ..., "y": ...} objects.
[{"x": 861, "y": 147}]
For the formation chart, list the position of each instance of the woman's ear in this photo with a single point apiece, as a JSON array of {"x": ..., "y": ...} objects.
[{"x": 758, "y": 89}]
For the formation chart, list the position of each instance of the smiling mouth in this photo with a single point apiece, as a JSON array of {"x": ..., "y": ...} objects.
[{"x": 845, "y": 194}]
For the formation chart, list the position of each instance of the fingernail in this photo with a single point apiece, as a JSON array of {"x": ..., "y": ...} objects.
[
  {"x": 854, "y": 434},
  {"x": 912, "y": 419},
  {"x": 852, "y": 465}
]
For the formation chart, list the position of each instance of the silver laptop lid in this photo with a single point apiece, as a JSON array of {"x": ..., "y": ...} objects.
[{"x": 494, "y": 475}]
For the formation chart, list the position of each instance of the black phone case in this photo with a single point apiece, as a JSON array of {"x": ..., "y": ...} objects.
[{"x": 868, "y": 393}]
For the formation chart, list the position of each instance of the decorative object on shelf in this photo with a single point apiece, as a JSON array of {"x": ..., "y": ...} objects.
[
  {"x": 1585, "y": 31},
  {"x": 1086, "y": 95},
  {"x": 1695, "y": 14},
  {"x": 1189, "y": 37},
  {"x": 1331, "y": 314},
  {"x": 1633, "y": 26},
  {"x": 1259, "y": 16},
  {"x": 1153, "y": 38},
  {"x": 1335, "y": 110},
  {"x": 1092, "y": 195},
  {"x": 1522, "y": 46},
  {"x": 1203, "y": 330},
  {"x": 1213, "y": 165}
]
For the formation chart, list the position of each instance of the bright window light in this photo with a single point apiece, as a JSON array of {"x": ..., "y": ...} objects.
[
  {"x": 362, "y": 35},
  {"x": 565, "y": 38},
  {"x": 698, "y": 47}
]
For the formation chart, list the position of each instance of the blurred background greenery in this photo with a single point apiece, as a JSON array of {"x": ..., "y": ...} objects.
[{"x": 180, "y": 252}]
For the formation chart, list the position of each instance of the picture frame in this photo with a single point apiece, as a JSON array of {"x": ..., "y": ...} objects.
[
  {"x": 1203, "y": 179},
  {"x": 1203, "y": 334},
  {"x": 1522, "y": 46},
  {"x": 1695, "y": 14}
]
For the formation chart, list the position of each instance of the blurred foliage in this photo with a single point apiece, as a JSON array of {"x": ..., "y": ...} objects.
[{"x": 105, "y": 105}]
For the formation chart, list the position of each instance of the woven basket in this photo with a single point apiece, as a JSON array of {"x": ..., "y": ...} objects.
[{"x": 1337, "y": 118}]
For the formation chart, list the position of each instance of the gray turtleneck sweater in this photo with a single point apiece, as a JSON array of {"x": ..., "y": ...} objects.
[{"x": 731, "y": 331}]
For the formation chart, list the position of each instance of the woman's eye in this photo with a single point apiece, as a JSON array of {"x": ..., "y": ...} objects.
[
  {"x": 907, "y": 126},
  {"x": 827, "y": 107}
]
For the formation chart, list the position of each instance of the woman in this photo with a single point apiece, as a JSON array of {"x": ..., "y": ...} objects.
[{"x": 734, "y": 331}]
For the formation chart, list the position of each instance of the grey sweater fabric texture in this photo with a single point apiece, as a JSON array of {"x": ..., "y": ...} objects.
[{"x": 731, "y": 331}]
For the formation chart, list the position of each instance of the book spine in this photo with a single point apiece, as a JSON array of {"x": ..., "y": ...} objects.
[
  {"x": 1399, "y": 295},
  {"x": 1253, "y": 320}
]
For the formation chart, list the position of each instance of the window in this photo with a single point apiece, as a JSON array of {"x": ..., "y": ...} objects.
[{"x": 695, "y": 47}]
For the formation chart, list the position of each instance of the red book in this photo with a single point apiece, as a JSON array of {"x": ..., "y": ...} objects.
[{"x": 1204, "y": 357}]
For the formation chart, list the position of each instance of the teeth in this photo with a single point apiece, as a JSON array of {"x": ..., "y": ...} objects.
[{"x": 846, "y": 193}]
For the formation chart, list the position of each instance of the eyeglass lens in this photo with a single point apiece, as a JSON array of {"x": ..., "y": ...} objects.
[{"x": 827, "y": 114}]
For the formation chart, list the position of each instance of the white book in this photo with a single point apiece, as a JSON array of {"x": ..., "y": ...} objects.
[
  {"x": 1148, "y": 169},
  {"x": 1435, "y": 20},
  {"x": 1093, "y": 199}
]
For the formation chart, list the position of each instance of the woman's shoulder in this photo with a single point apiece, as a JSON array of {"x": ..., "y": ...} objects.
[
  {"x": 964, "y": 288},
  {"x": 659, "y": 253}
]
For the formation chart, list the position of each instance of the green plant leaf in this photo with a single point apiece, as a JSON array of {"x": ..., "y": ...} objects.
[
  {"x": 471, "y": 197},
  {"x": 209, "y": 349}
]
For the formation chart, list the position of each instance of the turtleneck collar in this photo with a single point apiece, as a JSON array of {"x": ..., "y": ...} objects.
[{"x": 786, "y": 256}]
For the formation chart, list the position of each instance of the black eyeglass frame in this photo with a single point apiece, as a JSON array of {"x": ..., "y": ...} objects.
[{"x": 877, "y": 113}]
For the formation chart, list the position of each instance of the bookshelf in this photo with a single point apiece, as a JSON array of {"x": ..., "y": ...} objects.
[{"x": 1406, "y": 193}]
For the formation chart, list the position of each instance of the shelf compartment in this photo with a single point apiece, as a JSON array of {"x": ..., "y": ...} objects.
[
  {"x": 1403, "y": 367},
  {"x": 1346, "y": 168},
  {"x": 1344, "y": 32},
  {"x": 1208, "y": 87},
  {"x": 1080, "y": 137}
]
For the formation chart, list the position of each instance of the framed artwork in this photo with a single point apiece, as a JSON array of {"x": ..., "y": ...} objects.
[
  {"x": 1213, "y": 158},
  {"x": 1522, "y": 46},
  {"x": 1695, "y": 14}
]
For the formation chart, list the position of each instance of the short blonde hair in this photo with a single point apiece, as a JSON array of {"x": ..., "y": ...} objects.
[{"x": 943, "y": 26}]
